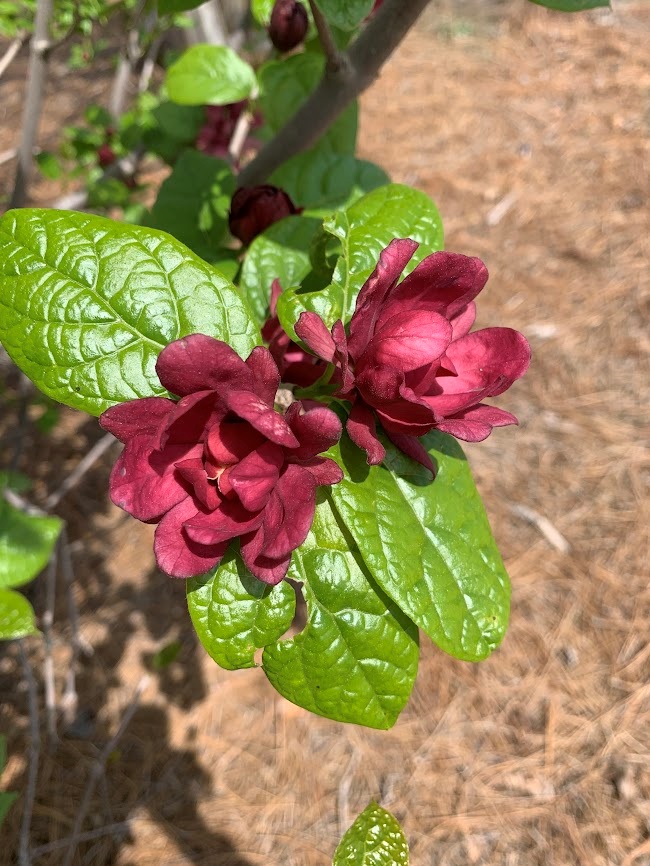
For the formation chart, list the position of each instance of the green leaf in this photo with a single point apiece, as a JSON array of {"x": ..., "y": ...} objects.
[
  {"x": 346, "y": 14},
  {"x": 167, "y": 129},
  {"x": 322, "y": 182},
  {"x": 171, "y": 7},
  {"x": 235, "y": 614},
  {"x": 294, "y": 301},
  {"x": 48, "y": 164},
  {"x": 16, "y": 616},
  {"x": 286, "y": 84},
  {"x": 357, "y": 658},
  {"x": 571, "y": 5},
  {"x": 209, "y": 75},
  {"x": 165, "y": 656},
  {"x": 281, "y": 252},
  {"x": 375, "y": 839},
  {"x": 7, "y": 799},
  {"x": 26, "y": 544},
  {"x": 368, "y": 226},
  {"x": 428, "y": 543},
  {"x": 87, "y": 304},
  {"x": 14, "y": 481},
  {"x": 261, "y": 10},
  {"x": 193, "y": 203}
]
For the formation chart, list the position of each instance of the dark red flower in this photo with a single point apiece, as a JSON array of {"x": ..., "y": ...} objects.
[
  {"x": 217, "y": 132},
  {"x": 221, "y": 463},
  {"x": 253, "y": 209},
  {"x": 410, "y": 360},
  {"x": 289, "y": 24}
]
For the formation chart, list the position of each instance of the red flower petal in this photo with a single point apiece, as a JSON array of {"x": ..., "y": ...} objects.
[
  {"x": 135, "y": 417},
  {"x": 201, "y": 363},
  {"x": 413, "y": 448},
  {"x": 254, "y": 477},
  {"x": 289, "y": 513},
  {"x": 261, "y": 416},
  {"x": 193, "y": 471},
  {"x": 316, "y": 430},
  {"x": 143, "y": 481},
  {"x": 363, "y": 432},
  {"x": 230, "y": 441},
  {"x": 190, "y": 419},
  {"x": 475, "y": 424},
  {"x": 324, "y": 470},
  {"x": 268, "y": 570},
  {"x": 177, "y": 554},
  {"x": 463, "y": 320},
  {"x": 266, "y": 378},
  {"x": 443, "y": 282},
  {"x": 408, "y": 341},
  {"x": 227, "y": 521},
  {"x": 313, "y": 332},
  {"x": 379, "y": 284}
]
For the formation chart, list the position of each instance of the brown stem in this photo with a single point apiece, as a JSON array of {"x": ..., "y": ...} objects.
[
  {"x": 337, "y": 89},
  {"x": 38, "y": 59},
  {"x": 335, "y": 58}
]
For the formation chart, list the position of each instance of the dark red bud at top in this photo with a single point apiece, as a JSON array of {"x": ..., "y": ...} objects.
[
  {"x": 253, "y": 209},
  {"x": 289, "y": 24},
  {"x": 105, "y": 155}
]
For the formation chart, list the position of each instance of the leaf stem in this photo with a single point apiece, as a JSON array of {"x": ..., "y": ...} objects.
[{"x": 336, "y": 59}]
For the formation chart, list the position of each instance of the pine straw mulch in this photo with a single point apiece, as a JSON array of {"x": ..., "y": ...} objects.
[{"x": 533, "y": 139}]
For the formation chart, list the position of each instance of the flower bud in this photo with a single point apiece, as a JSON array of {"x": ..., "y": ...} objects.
[
  {"x": 253, "y": 209},
  {"x": 289, "y": 23},
  {"x": 105, "y": 155}
]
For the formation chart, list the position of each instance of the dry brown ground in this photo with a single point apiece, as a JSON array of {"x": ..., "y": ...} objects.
[{"x": 533, "y": 138}]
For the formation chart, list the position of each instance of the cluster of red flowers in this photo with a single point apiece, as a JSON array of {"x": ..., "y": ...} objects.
[{"x": 221, "y": 463}]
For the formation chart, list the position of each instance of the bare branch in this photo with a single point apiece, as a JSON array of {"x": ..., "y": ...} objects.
[
  {"x": 335, "y": 58},
  {"x": 36, "y": 74},
  {"x": 338, "y": 89},
  {"x": 47, "y": 621},
  {"x": 80, "y": 470},
  {"x": 98, "y": 770},
  {"x": 24, "y": 857}
]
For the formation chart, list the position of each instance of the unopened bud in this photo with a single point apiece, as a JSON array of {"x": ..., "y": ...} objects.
[
  {"x": 289, "y": 24},
  {"x": 253, "y": 209}
]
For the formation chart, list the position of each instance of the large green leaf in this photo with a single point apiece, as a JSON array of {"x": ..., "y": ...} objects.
[
  {"x": 209, "y": 75},
  {"x": 571, "y": 5},
  {"x": 346, "y": 14},
  {"x": 193, "y": 203},
  {"x": 375, "y": 839},
  {"x": 87, "y": 304},
  {"x": 321, "y": 181},
  {"x": 281, "y": 252},
  {"x": 357, "y": 658},
  {"x": 428, "y": 543},
  {"x": 26, "y": 544},
  {"x": 16, "y": 616},
  {"x": 234, "y": 613},
  {"x": 370, "y": 224},
  {"x": 286, "y": 84}
]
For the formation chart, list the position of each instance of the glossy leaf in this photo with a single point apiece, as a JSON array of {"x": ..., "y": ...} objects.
[
  {"x": 281, "y": 252},
  {"x": 26, "y": 544},
  {"x": 286, "y": 84},
  {"x": 346, "y": 14},
  {"x": 235, "y": 614},
  {"x": 428, "y": 543},
  {"x": 16, "y": 616},
  {"x": 209, "y": 75},
  {"x": 87, "y": 304},
  {"x": 571, "y": 5},
  {"x": 375, "y": 839},
  {"x": 320, "y": 182},
  {"x": 193, "y": 203},
  {"x": 369, "y": 225},
  {"x": 357, "y": 658}
]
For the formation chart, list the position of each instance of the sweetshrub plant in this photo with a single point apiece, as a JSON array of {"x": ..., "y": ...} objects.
[{"x": 330, "y": 457}]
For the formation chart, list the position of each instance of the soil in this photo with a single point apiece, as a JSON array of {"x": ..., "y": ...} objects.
[{"x": 531, "y": 131}]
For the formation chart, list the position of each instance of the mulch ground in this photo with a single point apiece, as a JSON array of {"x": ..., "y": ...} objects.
[{"x": 532, "y": 134}]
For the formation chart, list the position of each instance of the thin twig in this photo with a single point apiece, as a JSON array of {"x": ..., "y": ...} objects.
[
  {"x": 335, "y": 58},
  {"x": 24, "y": 858},
  {"x": 8, "y": 57},
  {"x": 70, "y": 698},
  {"x": 47, "y": 621},
  {"x": 80, "y": 470},
  {"x": 337, "y": 89},
  {"x": 98, "y": 769},
  {"x": 88, "y": 836},
  {"x": 550, "y": 532}
]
